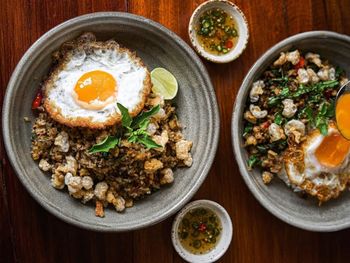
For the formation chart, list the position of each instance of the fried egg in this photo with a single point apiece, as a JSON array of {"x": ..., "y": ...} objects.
[
  {"x": 320, "y": 166},
  {"x": 89, "y": 81}
]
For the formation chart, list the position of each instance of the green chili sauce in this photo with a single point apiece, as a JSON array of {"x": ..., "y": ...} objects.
[
  {"x": 216, "y": 32},
  {"x": 199, "y": 230}
]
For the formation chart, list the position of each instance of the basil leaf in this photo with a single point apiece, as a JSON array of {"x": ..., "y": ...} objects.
[
  {"x": 247, "y": 129},
  {"x": 323, "y": 127},
  {"x": 319, "y": 121},
  {"x": 338, "y": 72},
  {"x": 144, "y": 124},
  {"x": 300, "y": 91},
  {"x": 310, "y": 115},
  {"x": 126, "y": 119},
  {"x": 331, "y": 110},
  {"x": 278, "y": 118},
  {"x": 108, "y": 143},
  {"x": 306, "y": 112},
  {"x": 273, "y": 101},
  {"x": 284, "y": 92},
  {"x": 148, "y": 142},
  {"x": 326, "y": 84},
  {"x": 315, "y": 98},
  {"x": 133, "y": 138},
  {"x": 143, "y": 116},
  {"x": 323, "y": 109},
  {"x": 317, "y": 88},
  {"x": 252, "y": 161},
  {"x": 281, "y": 81}
]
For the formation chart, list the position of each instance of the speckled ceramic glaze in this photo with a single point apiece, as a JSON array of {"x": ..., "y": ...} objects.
[
  {"x": 197, "y": 111},
  {"x": 225, "y": 237},
  {"x": 276, "y": 197},
  {"x": 242, "y": 29}
]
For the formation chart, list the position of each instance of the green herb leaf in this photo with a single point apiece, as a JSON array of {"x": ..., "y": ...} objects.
[
  {"x": 319, "y": 120},
  {"x": 126, "y": 118},
  {"x": 306, "y": 112},
  {"x": 300, "y": 91},
  {"x": 143, "y": 116},
  {"x": 133, "y": 138},
  {"x": 338, "y": 72},
  {"x": 317, "y": 88},
  {"x": 144, "y": 124},
  {"x": 284, "y": 93},
  {"x": 273, "y": 101},
  {"x": 281, "y": 81},
  {"x": 315, "y": 98},
  {"x": 252, "y": 161},
  {"x": 247, "y": 129},
  {"x": 108, "y": 143},
  {"x": 278, "y": 118},
  {"x": 141, "y": 136},
  {"x": 331, "y": 109},
  {"x": 148, "y": 142},
  {"x": 323, "y": 127},
  {"x": 310, "y": 115},
  {"x": 323, "y": 109},
  {"x": 321, "y": 86},
  {"x": 137, "y": 127}
]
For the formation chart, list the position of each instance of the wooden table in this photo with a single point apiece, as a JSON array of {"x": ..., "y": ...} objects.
[{"x": 30, "y": 234}]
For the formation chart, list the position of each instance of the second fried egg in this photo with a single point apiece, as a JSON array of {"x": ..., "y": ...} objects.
[
  {"x": 89, "y": 81},
  {"x": 320, "y": 166}
]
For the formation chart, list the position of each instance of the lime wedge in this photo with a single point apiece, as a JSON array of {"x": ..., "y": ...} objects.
[{"x": 164, "y": 83}]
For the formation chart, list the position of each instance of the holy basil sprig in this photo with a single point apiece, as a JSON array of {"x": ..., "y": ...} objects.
[
  {"x": 319, "y": 117},
  {"x": 136, "y": 128},
  {"x": 326, "y": 111},
  {"x": 136, "y": 131},
  {"x": 314, "y": 89}
]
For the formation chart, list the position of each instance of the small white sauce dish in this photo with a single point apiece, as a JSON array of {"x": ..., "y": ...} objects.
[
  {"x": 242, "y": 28},
  {"x": 223, "y": 243}
]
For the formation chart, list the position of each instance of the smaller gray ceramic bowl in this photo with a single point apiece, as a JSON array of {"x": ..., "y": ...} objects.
[
  {"x": 225, "y": 238},
  {"x": 197, "y": 110},
  {"x": 242, "y": 29},
  {"x": 277, "y": 197}
]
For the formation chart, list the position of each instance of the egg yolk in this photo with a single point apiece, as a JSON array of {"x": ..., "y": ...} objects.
[
  {"x": 333, "y": 150},
  {"x": 95, "y": 85},
  {"x": 342, "y": 114}
]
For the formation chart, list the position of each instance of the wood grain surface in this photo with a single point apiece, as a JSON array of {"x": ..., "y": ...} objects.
[{"x": 30, "y": 234}]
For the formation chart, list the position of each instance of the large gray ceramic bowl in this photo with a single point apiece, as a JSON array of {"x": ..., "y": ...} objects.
[
  {"x": 276, "y": 197},
  {"x": 197, "y": 110}
]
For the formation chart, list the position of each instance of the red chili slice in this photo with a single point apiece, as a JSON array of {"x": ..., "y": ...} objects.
[
  {"x": 265, "y": 124},
  {"x": 300, "y": 64},
  {"x": 37, "y": 100},
  {"x": 229, "y": 44},
  {"x": 202, "y": 227}
]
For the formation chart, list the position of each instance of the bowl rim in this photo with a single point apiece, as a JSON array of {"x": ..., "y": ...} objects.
[
  {"x": 237, "y": 114},
  {"x": 205, "y": 53},
  {"x": 212, "y": 255},
  {"x": 37, "y": 195}
]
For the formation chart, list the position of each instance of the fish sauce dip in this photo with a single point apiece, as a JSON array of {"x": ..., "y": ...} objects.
[
  {"x": 200, "y": 230},
  {"x": 343, "y": 115},
  {"x": 217, "y": 32}
]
